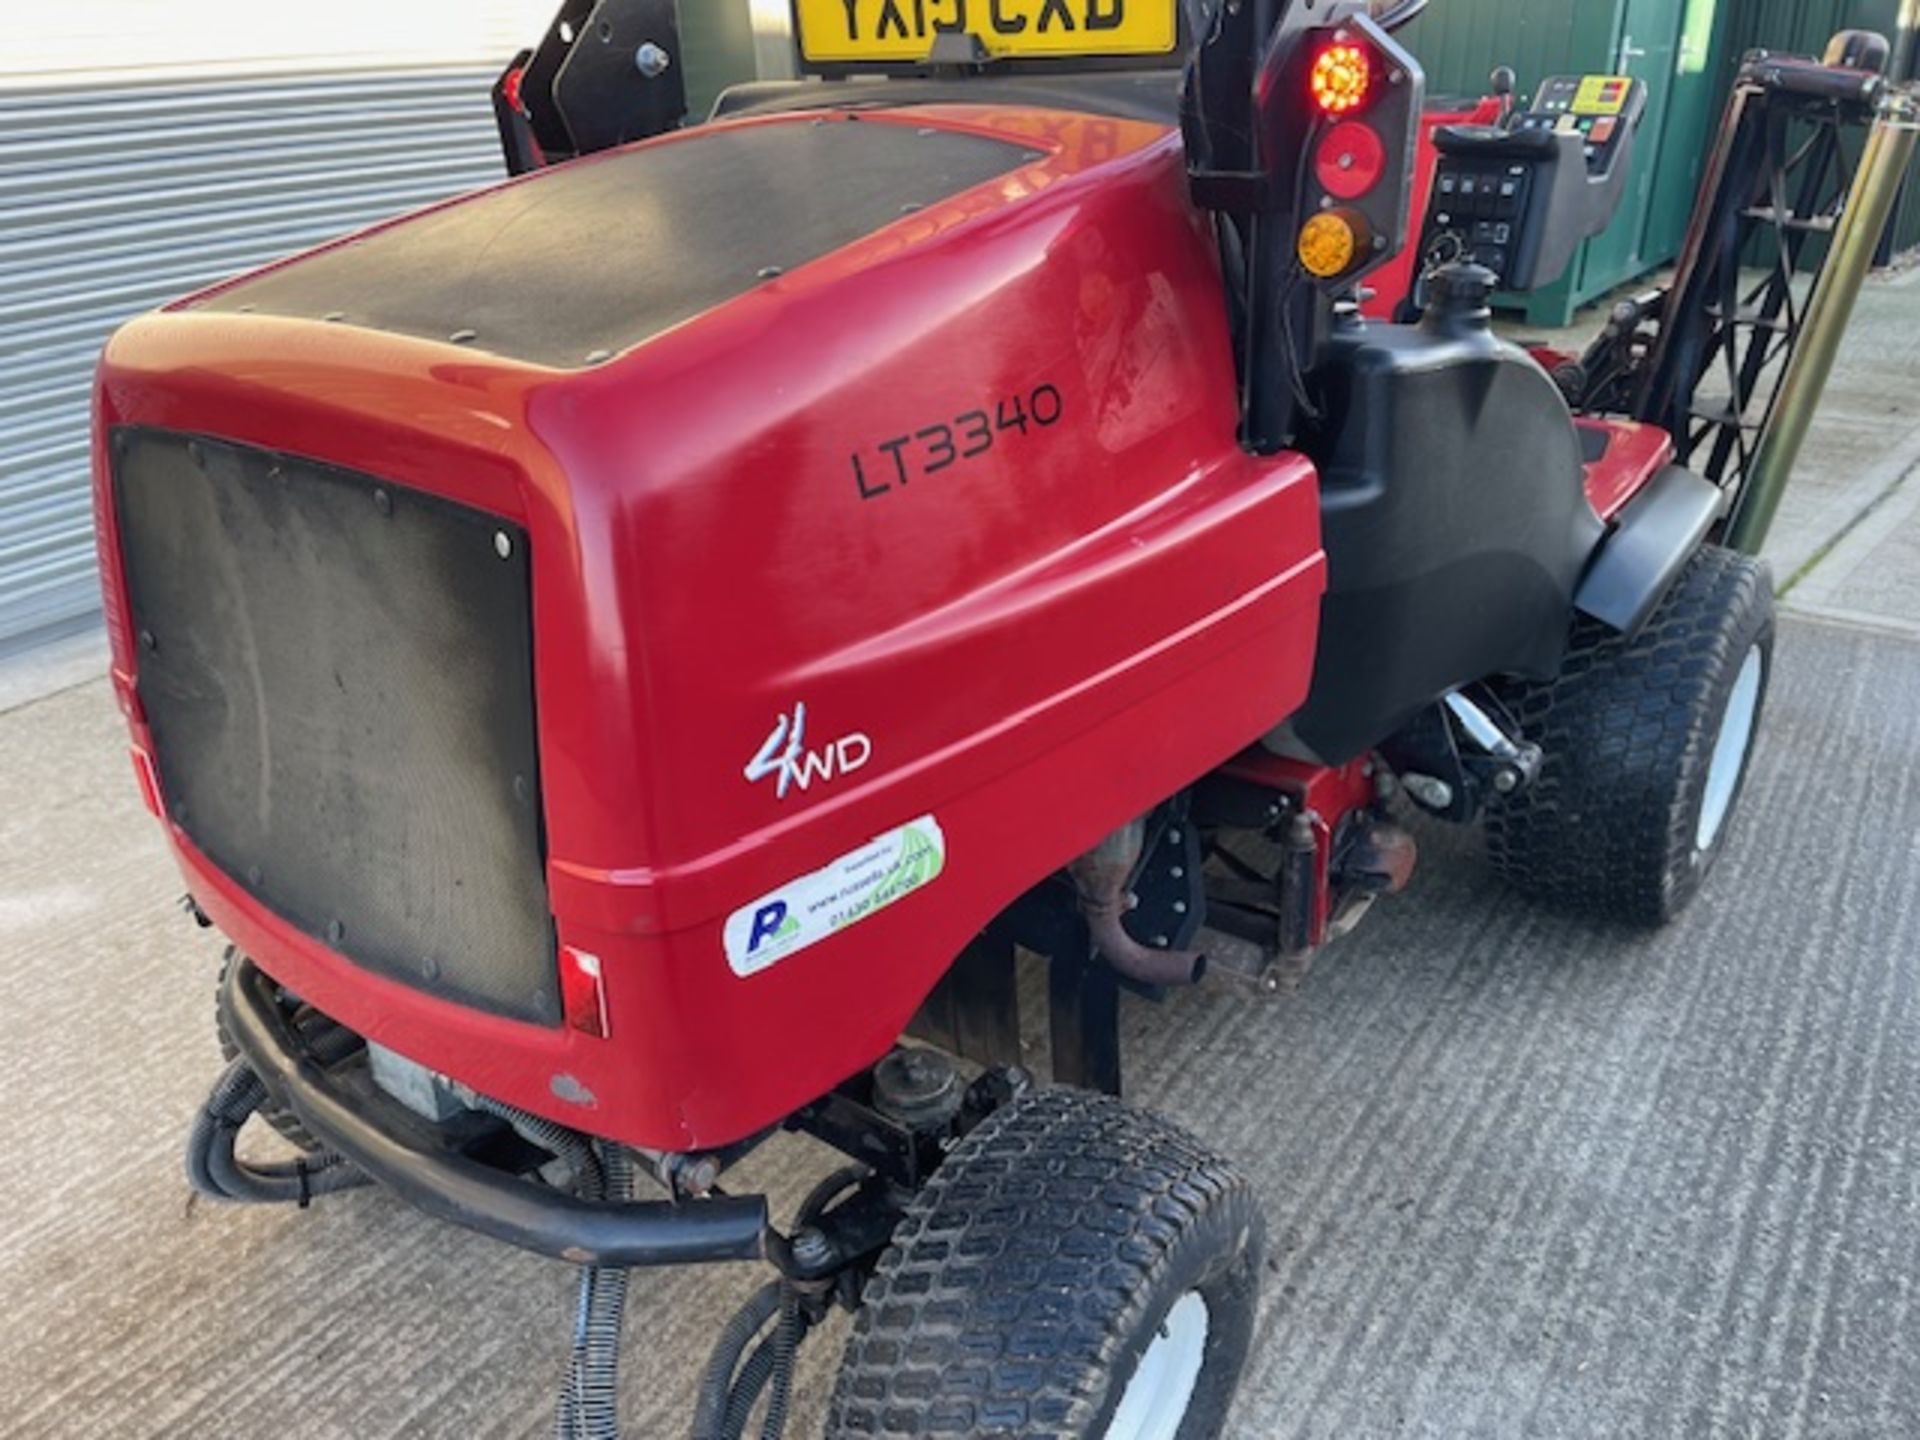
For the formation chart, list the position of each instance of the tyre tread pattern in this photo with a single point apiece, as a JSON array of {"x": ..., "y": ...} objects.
[
  {"x": 1627, "y": 729},
  {"x": 1004, "y": 1304}
]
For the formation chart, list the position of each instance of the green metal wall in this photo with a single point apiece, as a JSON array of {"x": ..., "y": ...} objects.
[
  {"x": 1803, "y": 27},
  {"x": 1673, "y": 45},
  {"x": 1459, "y": 42}
]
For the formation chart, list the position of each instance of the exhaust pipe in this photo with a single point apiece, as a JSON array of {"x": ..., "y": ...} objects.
[{"x": 1101, "y": 877}]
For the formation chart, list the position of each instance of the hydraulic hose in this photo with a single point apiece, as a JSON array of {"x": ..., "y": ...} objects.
[
  {"x": 729, "y": 1389},
  {"x": 594, "y": 1374},
  {"x": 589, "y": 1404},
  {"x": 786, "y": 1345},
  {"x": 717, "y": 1382},
  {"x": 215, "y": 1169},
  {"x": 748, "y": 1385}
]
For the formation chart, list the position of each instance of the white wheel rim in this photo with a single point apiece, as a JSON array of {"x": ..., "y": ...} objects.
[
  {"x": 1161, "y": 1391},
  {"x": 1730, "y": 751}
]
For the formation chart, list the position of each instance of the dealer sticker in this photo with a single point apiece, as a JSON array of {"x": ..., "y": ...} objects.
[{"x": 857, "y": 885}]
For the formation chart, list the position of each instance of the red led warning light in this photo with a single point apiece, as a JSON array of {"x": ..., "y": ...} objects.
[{"x": 1342, "y": 79}]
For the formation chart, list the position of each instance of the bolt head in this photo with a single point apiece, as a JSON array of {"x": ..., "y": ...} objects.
[
  {"x": 812, "y": 1249},
  {"x": 503, "y": 544},
  {"x": 652, "y": 61}
]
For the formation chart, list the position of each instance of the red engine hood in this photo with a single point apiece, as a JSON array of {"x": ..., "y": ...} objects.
[{"x": 965, "y": 485}]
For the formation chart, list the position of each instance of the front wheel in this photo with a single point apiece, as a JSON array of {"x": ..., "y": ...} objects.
[
  {"x": 1076, "y": 1270},
  {"x": 1646, "y": 743}
]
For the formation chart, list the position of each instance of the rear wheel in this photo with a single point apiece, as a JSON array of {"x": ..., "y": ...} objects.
[
  {"x": 1076, "y": 1270},
  {"x": 1647, "y": 742}
]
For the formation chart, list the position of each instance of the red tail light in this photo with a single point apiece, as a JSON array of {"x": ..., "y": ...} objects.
[
  {"x": 1350, "y": 161},
  {"x": 149, "y": 778},
  {"x": 1342, "y": 79},
  {"x": 510, "y": 89},
  {"x": 583, "y": 993}
]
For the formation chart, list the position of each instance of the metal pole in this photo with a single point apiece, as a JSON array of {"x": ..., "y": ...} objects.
[
  {"x": 1906, "y": 34},
  {"x": 1883, "y": 166}
]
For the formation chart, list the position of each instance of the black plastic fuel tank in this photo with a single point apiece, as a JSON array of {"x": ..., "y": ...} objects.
[{"x": 1455, "y": 513}]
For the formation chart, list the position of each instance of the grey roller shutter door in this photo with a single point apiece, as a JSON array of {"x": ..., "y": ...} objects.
[{"x": 116, "y": 199}]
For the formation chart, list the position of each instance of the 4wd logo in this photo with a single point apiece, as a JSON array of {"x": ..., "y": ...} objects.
[{"x": 785, "y": 758}]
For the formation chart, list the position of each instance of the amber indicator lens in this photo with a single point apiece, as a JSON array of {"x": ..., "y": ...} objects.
[{"x": 1331, "y": 242}]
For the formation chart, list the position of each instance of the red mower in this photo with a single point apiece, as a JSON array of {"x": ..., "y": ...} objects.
[{"x": 633, "y": 659}]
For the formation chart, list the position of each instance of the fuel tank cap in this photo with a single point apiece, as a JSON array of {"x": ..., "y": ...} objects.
[{"x": 1461, "y": 296}]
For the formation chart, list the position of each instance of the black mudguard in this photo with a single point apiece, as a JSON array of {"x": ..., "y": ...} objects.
[
  {"x": 1656, "y": 534},
  {"x": 1456, "y": 522}
]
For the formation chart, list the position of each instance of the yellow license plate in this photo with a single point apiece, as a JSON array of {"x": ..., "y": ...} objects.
[{"x": 896, "y": 32}]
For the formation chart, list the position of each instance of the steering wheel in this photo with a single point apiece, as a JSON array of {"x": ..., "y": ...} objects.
[{"x": 1390, "y": 15}]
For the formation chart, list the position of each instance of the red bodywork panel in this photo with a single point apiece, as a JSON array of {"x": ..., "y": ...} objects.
[
  {"x": 1036, "y": 643},
  {"x": 1327, "y": 795},
  {"x": 1633, "y": 455}
]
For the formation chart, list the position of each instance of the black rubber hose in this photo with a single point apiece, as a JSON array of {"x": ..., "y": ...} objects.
[
  {"x": 786, "y": 1345},
  {"x": 557, "y": 1140},
  {"x": 827, "y": 1191},
  {"x": 747, "y": 1386},
  {"x": 588, "y": 1403},
  {"x": 717, "y": 1380},
  {"x": 216, "y": 1170},
  {"x": 595, "y": 1371},
  {"x": 773, "y": 1359}
]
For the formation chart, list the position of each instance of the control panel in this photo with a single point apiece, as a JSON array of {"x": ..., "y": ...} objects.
[
  {"x": 1519, "y": 198},
  {"x": 1601, "y": 109},
  {"x": 1479, "y": 208}
]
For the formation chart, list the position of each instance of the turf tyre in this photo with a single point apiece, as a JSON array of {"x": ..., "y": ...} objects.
[
  {"x": 1613, "y": 825},
  {"x": 1036, "y": 1269}
]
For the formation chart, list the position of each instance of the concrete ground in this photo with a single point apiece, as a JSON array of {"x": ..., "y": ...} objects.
[{"x": 1524, "y": 1176}]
